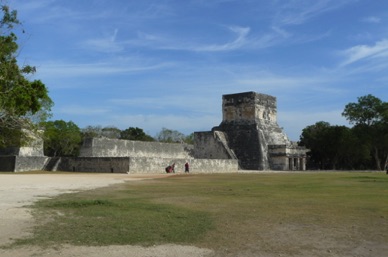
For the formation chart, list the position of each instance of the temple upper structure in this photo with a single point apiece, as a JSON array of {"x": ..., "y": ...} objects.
[{"x": 249, "y": 132}]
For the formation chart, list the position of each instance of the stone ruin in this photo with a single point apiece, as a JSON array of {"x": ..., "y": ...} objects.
[
  {"x": 248, "y": 138},
  {"x": 249, "y": 133}
]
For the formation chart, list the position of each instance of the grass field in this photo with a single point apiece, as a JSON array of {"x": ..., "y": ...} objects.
[{"x": 289, "y": 214}]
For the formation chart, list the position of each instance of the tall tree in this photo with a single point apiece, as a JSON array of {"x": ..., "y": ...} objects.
[
  {"x": 170, "y": 136},
  {"x": 367, "y": 111},
  {"x": 333, "y": 147},
  {"x": 61, "y": 138},
  {"x": 189, "y": 139},
  {"x": 92, "y": 131},
  {"x": 370, "y": 116},
  {"x": 111, "y": 132},
  {"x": 23, "y": 103},
  {"x": 136, "y": 133},
  {"x": 98, "y": 131},
  {"x": 313, "y": 138}
]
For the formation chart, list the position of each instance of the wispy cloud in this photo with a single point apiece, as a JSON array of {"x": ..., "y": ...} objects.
[
  {"x": 363, "y": 52},
  {"x": 59, "y": 70},
  {"x": 50, "y": 11},
  {"x": 299, "y": 11},
  {"x": 106, "y": 44},
  {"x": 241, "y": 35},
  {"x": 169, "y": 43}
]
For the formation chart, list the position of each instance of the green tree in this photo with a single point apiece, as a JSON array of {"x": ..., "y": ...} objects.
[
  {"x": 345, "y": 150},
  {"x": 334, "y": 147},
  {"x": 370, "y": 116},
  {"x": 23, "y": 103},
  {"x": 369, "y": 110},
  {"x": 61, "y": 138},
  {"x": 136, "y": 133},
  {"x": 189, "y": 139},
  {"x": 170, "y": 136},
  {"x": 92, "y": 131},
  {"x": 312, "y": 137},
  {"x": 111, "y": 132},
  {"x": 98, "y": 131}
]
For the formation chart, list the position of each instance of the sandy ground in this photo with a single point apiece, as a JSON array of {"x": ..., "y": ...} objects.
[{"x": 19, "y": 190}]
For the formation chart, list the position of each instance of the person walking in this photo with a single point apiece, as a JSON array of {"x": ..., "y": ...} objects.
[{"x": 187, "y": 167}]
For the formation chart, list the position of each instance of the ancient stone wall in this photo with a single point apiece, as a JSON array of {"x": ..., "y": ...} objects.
[
  {"x": 104, "y": 147},
  {"x": 135, "y": 165},
  {"x": 22, "y": 163},
  {"x": 212, "y": 145},
  {"x": 93, "y": 164}
]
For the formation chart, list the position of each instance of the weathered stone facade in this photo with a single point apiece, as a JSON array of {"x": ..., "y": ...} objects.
[{"x": 249, "y": 132}]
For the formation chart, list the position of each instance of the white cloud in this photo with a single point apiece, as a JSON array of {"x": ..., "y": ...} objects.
[{"x": 362, "y": 52}]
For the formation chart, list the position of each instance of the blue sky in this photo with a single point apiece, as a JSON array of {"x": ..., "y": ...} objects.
[{"x": 166, "y": 63}]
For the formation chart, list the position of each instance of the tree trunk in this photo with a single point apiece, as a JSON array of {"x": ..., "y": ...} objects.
[{"x": 377, "y": 159}]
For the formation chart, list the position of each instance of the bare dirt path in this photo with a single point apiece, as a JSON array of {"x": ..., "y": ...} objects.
[{"x": 19, "y": 190}]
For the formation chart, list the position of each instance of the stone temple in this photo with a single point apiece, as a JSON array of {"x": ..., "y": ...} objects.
[
  {"x": 248, "y": 138},
  {"x": 249, "y": 133}
]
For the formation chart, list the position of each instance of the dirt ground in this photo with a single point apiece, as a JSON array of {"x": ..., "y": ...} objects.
[{"x": 19, "y": 190}]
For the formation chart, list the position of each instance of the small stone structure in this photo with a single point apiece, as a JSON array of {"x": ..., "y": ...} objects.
[
  {"x": 24, "y": 158},
  {"x": 248, "y": 138}
]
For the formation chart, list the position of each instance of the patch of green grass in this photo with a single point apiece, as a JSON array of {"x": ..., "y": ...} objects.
[
  {"x": 81, "y": 219},
  {"x": 218, "y": 211}
]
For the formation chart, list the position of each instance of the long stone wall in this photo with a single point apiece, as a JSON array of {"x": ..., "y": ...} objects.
[
  {"x": 121, "y": 156},
  {"x": 93, "y": 164},
  {"x": 157, "y": 165},
  {"x": 104, "y": 147},
  {"x": 134, "y": 165}
]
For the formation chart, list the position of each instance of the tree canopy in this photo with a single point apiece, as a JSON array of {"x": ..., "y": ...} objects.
[
  {"x": 369, "y": 110},
  {"x": 136, "y": 133},
  {"x": 23, "y": 103},
  {"x": 363, "y": 146},
  {"x": 61, "y": 138}
]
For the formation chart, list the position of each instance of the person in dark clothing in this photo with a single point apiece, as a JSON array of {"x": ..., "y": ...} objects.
[
  {"x": 170, "y": 168},
  {"x": 187, "y": 167}
]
